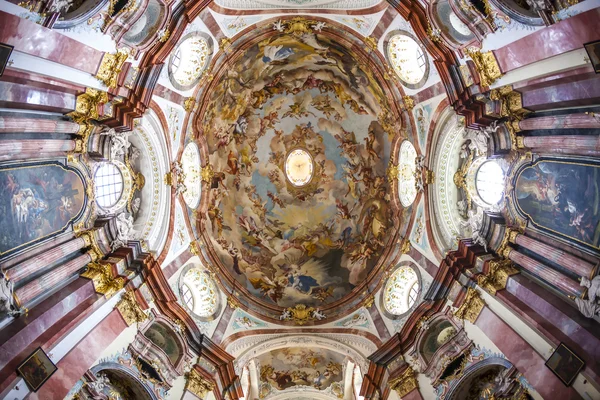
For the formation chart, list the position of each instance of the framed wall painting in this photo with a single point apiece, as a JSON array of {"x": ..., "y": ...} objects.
[
  {"x": 565, "y": 364},
  {"x": 593, "y": 51},
  {"x": 37, "y": 369},
  {"x": 5, "y": 52}
]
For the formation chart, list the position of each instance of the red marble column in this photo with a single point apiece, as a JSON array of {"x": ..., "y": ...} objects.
[
  {"x": 569, "y": 121},
  {"x": 585, "y": 145},
  {"x": 523, "y": 357},
  {"x": 24, "y": 295},
  {"x": 34, "y": 148},
  {"x": 21, "y": 124},
  {"x": 565, "y": 284},
  {"x": 45, "y": 259},
  {"x": 565, "y": 36},
  {"x": 30, "y": 38},
  {"x": 584, "y": 92},
  {"x": 560, "y": 257},
  {"x": 81, "y": 358}
]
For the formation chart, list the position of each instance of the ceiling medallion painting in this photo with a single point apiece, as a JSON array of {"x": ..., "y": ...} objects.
[{"x": 299, "y": 211}]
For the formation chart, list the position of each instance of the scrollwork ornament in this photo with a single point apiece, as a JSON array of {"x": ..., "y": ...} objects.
[
  {"x": 130, "y": 310},
  {"x": 198, "y": 385},
  {"x": 405, "y": 383},
  {"x": 486, "y": 65},
  {"x": 111, "y": 67},
  {"x": 471, "y": 307}
]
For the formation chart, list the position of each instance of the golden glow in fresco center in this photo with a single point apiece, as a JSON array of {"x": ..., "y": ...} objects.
[{"x": 299, "y": 167}]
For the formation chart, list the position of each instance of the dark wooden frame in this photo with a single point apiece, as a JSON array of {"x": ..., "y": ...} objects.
[
  {"x": 572, "y": 378},
  {"x": 596, "y": 43},
  {"x": 3, "y": 63},
  {"x": 39, "y": 349}
]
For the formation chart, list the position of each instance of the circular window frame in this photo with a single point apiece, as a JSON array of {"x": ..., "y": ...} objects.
[
  {"x": 192, "y": 84},
  {"x": 471, "y": 183},
  {"x": 180, "y": 285},
  {"x": 490, "y": 162},
  {"x": 312, "y": 174},
  {"x": 126, "y": 192},
  {"x": 382, "y": 306},
  {"x": 386, "y": 47},
  {"x": 400, "y": 183}
]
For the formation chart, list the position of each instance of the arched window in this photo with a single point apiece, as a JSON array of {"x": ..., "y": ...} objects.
[
  {"x": 401, "y": 291},
  {"x": 199, "y": 285},
  {"x": 108, "y": 182},
  {"x": 489, "y": 182},
  {"x": 408, "y": 59},
  {"x": 406, "y": 177},
  {"x": 189, "y": 60}
]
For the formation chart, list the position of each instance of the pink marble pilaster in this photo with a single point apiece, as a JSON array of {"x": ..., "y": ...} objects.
[
  {"x": 569, "y": 121},
  {"x": 28, "y": 97},
  {"x": 523, "y": 357},
  {"x": 563, "y": 283},
  {"x": 34, "y": 148},
  {"x": 33, "y": 39},
  {"x": 37, "y": 249},
  {"x": 567, "y": 35},
  {"x": 561, "y": 94},
  {"x": 9, "y": 124},
  {"x": 20, "y": 271},
  {"x": 81, "y": 358},
  {"x": 47, "y": 282},
  {"x": 414, "y": 395},
  {"x": 168, "y": 94},
  {"x": 558, "y": 256},
  {"x": 587, "y": 145}
]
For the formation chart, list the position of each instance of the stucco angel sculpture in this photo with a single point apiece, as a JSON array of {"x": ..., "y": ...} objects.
[
  {"x": 119, "y": 142},
  {"x": 125, "y": 231},
  {"x": 590, "y": 307},
  {"x": 475, "y": 223}
]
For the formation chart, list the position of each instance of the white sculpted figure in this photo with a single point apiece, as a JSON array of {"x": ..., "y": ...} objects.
[
  {"x": 119, "y": 142},
  {"x": 279, "y": 26},
  {"x": 591, "y": 306},
  {"x": 318, "y": 26},
  {"x": 100, "y": 383},
  {"x": 318, "y": 315},
  {"x": 475, "y": 223},
  {"x": 134, "y": 154},
  {"x": 477, "y": 140},
  {"x": 285, "y": 315},
  {"x": 135, "y": 204},
  {"x": 60, "y": 6},
  {"x": 125, "y": 231},
  {"x": 6, "y": 295}
]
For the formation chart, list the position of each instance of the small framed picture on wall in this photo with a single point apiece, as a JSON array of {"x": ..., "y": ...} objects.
[
  {"x": 5, "y": 52},
  {"x": 565, "y": 364},
  {"x": 593, "y": 51},
  {"x": 37, "y": 369}
]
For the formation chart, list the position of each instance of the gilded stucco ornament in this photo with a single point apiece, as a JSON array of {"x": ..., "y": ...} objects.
[
  {"x": 232, "y": 302},
  {"x": 86, "y": 105},
  {"x": 471, "y": 307},
  {"x": 198, "y": 385},
  {"x": 207, "y": 173},
  {"x": 130, "y": 310},
  {"x": 110, "y": 68},
  {"x": 405, "y": 383},
  {"x": 486, "y": 65},
  {"x": 371, "y": 42},
  {"x": 189, "y": 103},
  {"x": 497, "y": 276},
  {"x": 393, "y": 171},
  {"x": 102, "y": 277},
  {"x": 510, "y": 236},
  {"x": 409, "y": 103},
  {"x": 301, "y": 314},
  {"x": 435, "y": 34},
  {"x": 195, "y": 248}
]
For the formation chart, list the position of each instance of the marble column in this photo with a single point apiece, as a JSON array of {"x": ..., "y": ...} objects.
[
  {"x": 20, "y": 271},
  {"x": 35, "y": 250},
  {"x": 34, "y": 148},
  {"x": 569, "y": 121},
  {"x": 565, "y": 284},
  {"x": 560, "y": 257},
  {"x": 47, "y": 282},
  {"x": 563, "y": 93},
  {"x": 585, "y": 145},
  {"x": 21, "y": 124}
]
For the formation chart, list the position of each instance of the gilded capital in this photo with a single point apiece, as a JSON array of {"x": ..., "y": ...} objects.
[
  {"x": 405, "y": 383},
  {"x": 198, "y": 385},
  {"x": 497, "y": 276},
  {"x": 130, "y": 310},
  {"x": 110, "y": 68},
  {"x": 471, "y": 307},
  {"x": 486, "y": 65}
]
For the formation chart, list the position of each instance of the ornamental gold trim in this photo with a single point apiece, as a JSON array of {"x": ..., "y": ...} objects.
[
  {"x": 130, "y": 310},
  {"x": 471, "y": 307},
  {"x": 497, "y": 276},
  {"x": 102, "y": 277},
  {"x": 486, "y": 65},
  {"x": 405, "y": 383},
  {"x": 198, "y": 385},
  {"x": 110, "y": 68},
  {"x": 86, "y": 106}
]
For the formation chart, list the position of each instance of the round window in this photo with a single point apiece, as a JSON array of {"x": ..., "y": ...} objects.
[
  {"x": 189, "y": 60},
  {"x": 489, "y": 182},
  {"x": 299, "y": 167},
  {"x": 406, "y": 177},
  {"x": 199, "y": 293},
  {"x": 108, "y": 183},
  {"x": 408, "y": 60},
  {"x": 401, "y": 291}
]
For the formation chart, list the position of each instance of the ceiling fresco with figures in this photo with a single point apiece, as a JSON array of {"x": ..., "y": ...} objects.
[
  {"x": 291, "y": 367},
  {"x": 299, "y": 209}
]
